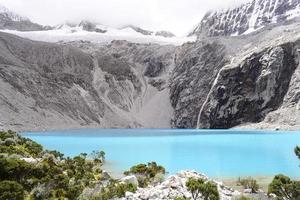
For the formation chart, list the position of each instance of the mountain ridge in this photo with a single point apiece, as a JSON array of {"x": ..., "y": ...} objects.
[{"x": 247, "y": 18}]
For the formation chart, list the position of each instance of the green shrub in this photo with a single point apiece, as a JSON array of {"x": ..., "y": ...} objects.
[
  {"x": 11, "y": 190},
  {"x": 146, "y": 173},
  {"x": 201, "y": 188},
  {"x": 15, "y": 169},
  {"x": 284, "y": 188},
  {"x": 115, "y": 190},
  {"x": 180, "y": 198},
  {"x": 297, "y": 152},
  {"x": 15, "y": 144},
  {"x": 249, "y": 183},
  {"x": 98, "y": 156},
  {"x": 243, "y": 198},
  {"x": 53, "y": 176}
]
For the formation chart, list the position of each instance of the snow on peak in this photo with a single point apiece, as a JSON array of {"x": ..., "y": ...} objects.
[
  {"x": 248, "y": 17},
  {"x": 11, "y": 15}
]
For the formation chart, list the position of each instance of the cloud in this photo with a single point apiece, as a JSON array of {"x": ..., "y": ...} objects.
[{"x": 178, "y": 16}]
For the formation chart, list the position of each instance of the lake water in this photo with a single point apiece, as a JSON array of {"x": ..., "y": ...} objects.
[{"x": 216, "y": 153}]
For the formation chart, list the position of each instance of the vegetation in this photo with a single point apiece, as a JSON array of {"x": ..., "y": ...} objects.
[
  {"x": 27, "y": 171},
  {"x": 98, "y": 156},
  {"x": 243, "y": 198},
  {"x": 204, "y": 189},
  {"x": 180, "y": 198},
  {"x": 114, "y": 189},
  {"x": 45, "y": 174},
  {"x": 249, "y": 183},
  {"x": 297, "y": 152},
  {"x": 12, "y": 143},
  {"x": 146, "y": 173},
  {"x": 11, "y": 190},
  {"x": 285, "y": 188}
]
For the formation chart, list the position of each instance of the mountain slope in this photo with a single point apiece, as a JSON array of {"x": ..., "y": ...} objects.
[
  {"x": 46, "y": 86},
  {"x": 248, "y": 17}
]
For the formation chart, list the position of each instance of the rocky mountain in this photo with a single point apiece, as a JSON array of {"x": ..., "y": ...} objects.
[
  {"x": 12, "y": 21},
  {"x": 99, "y": 28},
  {"x": 137, "y": 29},
  {"x": 247, "y": 17},
  {"x": 91, "y": 27},
  {"x": 45, "y": 85},
  {"x": 83, "y": 25},
  {"x": 250, "y": 80}
]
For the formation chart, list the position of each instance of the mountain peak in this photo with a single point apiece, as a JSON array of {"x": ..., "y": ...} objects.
[
  {"x": 247, "y": 18},
  {"x": 5, "y": 12}
]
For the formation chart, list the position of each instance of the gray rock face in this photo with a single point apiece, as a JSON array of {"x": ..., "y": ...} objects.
[
  {"x": 246, "y": 92},
  {"x": 250, "y": 79},
  {"x": 46, "y": 82},
  {"x": 90, "y": 27},
  {"x": 140, "y": 30},
  {"x": 166, "y": 34},
  {"x": 247, "y": 17},
  {"x": 46, "y": 86},
  {"x": 197, "y": 65}
]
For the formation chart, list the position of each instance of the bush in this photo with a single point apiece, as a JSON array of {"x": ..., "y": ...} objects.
[
  {"x": 180, "y": 198},
  {"x": 297, "y": 152},
  {"x": 146, "y": 173},
  {"x": 201, "y": 188},
  {"x": 249, "y": 183},
  {"x": 284, "y": 188},
  {"x": 11, "y": 190},
  {"x": 15, "y": 144},
  {"x": 243, "y": 198},
  {"x": 14, "y": 169},
  {"x": 9, "y": 141},
  {"x": 115, "y": 190}
]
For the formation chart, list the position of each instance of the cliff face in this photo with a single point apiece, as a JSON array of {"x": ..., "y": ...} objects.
[
  {"x": 197, "y": 65},
  {"x": 250, "y": 81},
  {"x": 247, "y": 17},
  {"x": 247, "y": 91}
]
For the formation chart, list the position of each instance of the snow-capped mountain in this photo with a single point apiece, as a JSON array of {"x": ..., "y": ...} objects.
[
  {"x": 247, "y": 17},
  {"x": 9, "y": 15},
  {"x": 86, "y": 25},
  {"x": 13, "y": 21},
  {"x": 97, "y": 33}
]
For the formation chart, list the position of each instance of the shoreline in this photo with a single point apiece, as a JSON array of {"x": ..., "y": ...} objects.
[
  {"x": 229, "y": 181},
  {"x": 234, "y": 130},
  {"x": 50, "y": 128}
]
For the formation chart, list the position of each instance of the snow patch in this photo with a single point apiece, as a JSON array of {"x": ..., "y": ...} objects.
[{"x": 68, "y": 34}]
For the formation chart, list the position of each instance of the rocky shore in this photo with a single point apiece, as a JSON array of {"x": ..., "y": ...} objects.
[{"x": 174, "y": 186}]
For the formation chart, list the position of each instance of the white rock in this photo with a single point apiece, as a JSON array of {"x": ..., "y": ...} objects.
[
  {"x": 130, "y": 179},
  {"x": 30, "y": 160},
  {"x": 174, "y": 186}
]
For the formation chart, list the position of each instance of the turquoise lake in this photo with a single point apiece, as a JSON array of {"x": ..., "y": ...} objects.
[{"x": 216, "y": 153}]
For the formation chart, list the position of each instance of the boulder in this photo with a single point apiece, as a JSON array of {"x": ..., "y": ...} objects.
[{"x": 130, "y": 179}]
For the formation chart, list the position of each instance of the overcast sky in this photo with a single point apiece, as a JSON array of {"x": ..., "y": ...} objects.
[{"x": 177, "y": 16}]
